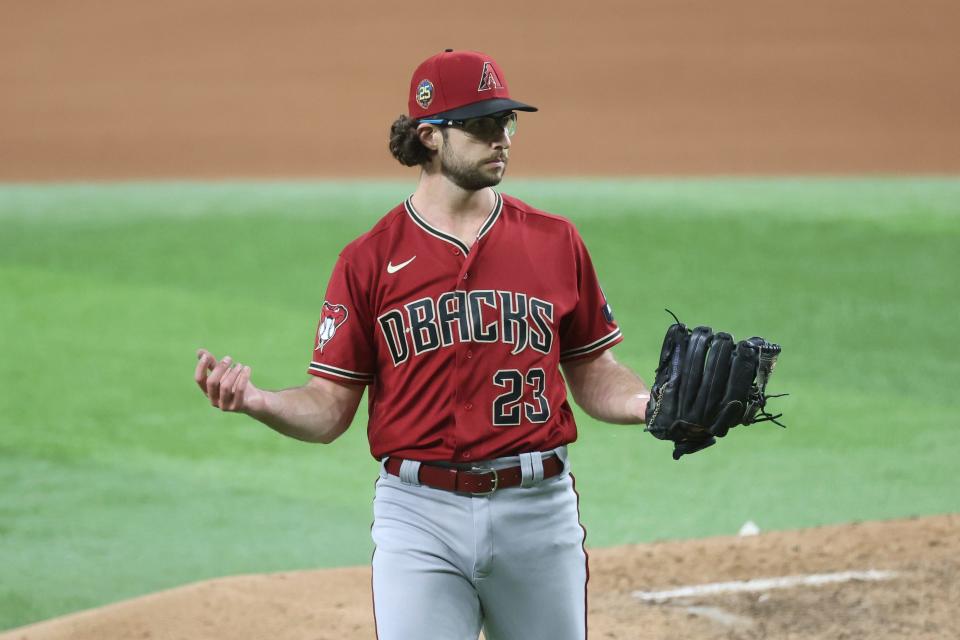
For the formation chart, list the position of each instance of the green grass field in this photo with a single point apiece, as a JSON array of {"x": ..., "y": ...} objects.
[{"x": 117, "y": 479}]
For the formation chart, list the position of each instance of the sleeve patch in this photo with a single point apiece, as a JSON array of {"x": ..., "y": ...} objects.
[
  {"x": 607, "y": 309},
  {"x": 331, "y": 318},
  {"x": 608, "y": 312}
]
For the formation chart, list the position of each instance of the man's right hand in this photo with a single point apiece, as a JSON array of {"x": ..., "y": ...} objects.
[{"x": 227, "y": 384}]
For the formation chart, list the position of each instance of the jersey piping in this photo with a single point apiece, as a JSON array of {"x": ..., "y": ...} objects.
[
  {"x": 593, "y": 346},
  {"x": 346, "y": 374},
  {"x": 426, "y": 226}
]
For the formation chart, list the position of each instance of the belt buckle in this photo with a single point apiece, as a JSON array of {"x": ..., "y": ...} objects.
[{"x": 496, "y": 480}]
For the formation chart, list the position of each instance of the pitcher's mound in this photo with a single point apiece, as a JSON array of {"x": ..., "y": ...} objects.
[{"x": 877, "y": 580}]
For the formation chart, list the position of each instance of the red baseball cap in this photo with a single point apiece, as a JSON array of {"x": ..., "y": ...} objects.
[{"x": 458, "y": 85}]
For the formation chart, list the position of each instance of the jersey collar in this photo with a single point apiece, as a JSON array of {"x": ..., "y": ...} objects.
[{"x": 426, "y": 226}]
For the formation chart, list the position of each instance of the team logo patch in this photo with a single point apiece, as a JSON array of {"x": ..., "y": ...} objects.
[
  {"x": 331, "y": 318},
  {"x": 489, "y": 79},
  {"x": 424, "y": 93}
]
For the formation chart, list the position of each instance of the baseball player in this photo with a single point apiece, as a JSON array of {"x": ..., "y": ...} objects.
[{"x": 457, "y": 312}]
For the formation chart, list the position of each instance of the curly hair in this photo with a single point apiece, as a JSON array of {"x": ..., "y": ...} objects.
[{"x": 405, "y": 143}]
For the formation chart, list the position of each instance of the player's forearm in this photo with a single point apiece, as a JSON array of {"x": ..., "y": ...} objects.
[
  {"x": 304, "y": 413},
  {"x": 608, "y": 390},
  {"x": 620, "y": 400}
]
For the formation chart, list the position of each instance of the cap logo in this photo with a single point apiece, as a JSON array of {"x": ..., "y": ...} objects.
[
  {"x": 489, "y": 79},
  {"x": 424, "y": 93}
]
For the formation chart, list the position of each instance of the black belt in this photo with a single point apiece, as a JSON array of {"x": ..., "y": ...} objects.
[{"x": 476, "y": 481}]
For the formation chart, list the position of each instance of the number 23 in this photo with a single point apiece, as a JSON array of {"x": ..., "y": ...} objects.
[{"x": 509, "y": 407}]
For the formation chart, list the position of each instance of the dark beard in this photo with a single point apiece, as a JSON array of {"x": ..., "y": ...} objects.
[{"x": 467, "y": 177}]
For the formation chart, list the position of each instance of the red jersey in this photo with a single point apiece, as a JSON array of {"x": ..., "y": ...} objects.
[{"x": 461, "y": 346}]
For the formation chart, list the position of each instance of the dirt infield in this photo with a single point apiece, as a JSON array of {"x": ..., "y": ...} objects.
[
  {"x": 918, "y": 596},
  {"x": 217, "y": 88}
]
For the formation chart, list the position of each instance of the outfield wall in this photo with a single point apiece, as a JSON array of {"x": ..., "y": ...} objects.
[{"x": 216, "y": 88}]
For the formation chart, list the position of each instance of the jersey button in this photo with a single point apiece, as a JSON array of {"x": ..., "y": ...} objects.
[
  {"x": 466, "y": 275},
  {"x": 456, "y": 252},
  {"x": 466, "y": 455},
  {"x": 468, "y": 406},
  {"x": 469, "y": 354}
]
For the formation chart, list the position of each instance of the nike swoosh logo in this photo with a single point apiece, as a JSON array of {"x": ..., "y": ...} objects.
[{"x": 393, "y": 268}]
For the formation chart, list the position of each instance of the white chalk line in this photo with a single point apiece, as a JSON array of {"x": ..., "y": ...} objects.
[{"x": 763, "y": 584}]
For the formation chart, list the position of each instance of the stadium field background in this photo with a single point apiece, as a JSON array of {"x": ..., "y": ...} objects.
[{"x": 118, "y": 479}]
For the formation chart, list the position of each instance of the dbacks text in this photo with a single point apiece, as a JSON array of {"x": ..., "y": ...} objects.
[{"x": 428, "y": 324}]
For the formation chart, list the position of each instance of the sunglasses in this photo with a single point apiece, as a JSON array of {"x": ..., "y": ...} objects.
[{"x": 485, "y": 128}]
